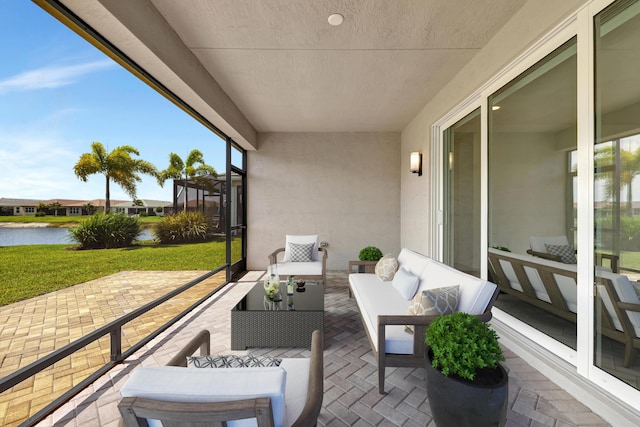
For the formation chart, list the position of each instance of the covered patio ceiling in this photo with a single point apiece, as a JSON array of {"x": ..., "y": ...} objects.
[{"x": 251, "y": 66}]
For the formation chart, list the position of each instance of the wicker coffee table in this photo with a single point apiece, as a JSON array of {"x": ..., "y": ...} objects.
[{"x": 256, "y": 322}]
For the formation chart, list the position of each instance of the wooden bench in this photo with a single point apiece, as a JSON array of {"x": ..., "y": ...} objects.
[{"x": 552, "y": 286}]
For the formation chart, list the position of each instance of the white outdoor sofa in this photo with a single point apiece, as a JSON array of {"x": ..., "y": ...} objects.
[
  {"x": 384, "y": 310},
  {"x": 551, "y": 286}
]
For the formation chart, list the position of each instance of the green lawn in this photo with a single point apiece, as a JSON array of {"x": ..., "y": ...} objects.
[
  {"x": 28, "y": 271},
  {"x": 65, "y": 221}
]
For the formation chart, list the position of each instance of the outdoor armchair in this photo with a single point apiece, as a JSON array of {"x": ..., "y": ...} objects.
[
  {"x": 303, "y": 258},
  {"x": 286, "y": 395}
]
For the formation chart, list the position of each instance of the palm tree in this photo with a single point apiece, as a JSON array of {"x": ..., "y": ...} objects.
[
  {"x": 629, "y": 169},
  {"x": 194, "y": 169},
  {"x": 117, "y": 166}
]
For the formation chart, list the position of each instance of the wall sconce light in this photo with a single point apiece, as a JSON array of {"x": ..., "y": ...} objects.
[{"x": 416, "y": 162}]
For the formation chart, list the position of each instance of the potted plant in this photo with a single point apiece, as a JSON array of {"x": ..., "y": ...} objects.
[
  {"x": 466, "y": 384},
  {"x": 369, "y": 256},
  {"x": 370, "y": 253}
]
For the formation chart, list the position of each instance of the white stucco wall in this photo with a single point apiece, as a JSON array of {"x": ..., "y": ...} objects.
[
  {"x": 343, "y": 186},
  {"x": 536, "y": 18}
]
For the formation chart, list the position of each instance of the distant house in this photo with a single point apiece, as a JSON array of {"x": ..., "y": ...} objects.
[
  {"x": 68, "y": 207},
  {"x": 18, "y": 207},
  {"x": 150, "y": 207}
]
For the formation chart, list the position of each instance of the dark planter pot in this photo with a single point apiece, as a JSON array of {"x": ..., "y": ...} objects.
[{"x": 455, "y": 402}]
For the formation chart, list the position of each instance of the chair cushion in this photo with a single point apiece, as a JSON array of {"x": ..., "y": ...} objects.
[
  {"x": 300, "y": 252},
  {"x": 300, "y": 268},
  {"x": 231, "y": 361},
  {"x": 177, "y": 384},
  {"x": 301, "y": 239},
  {"x": 433, "y": 302},
  {"x": 386, "y": 268},
  {"x": 405, "y": 283},
  {"x": 567, "y": 253}
]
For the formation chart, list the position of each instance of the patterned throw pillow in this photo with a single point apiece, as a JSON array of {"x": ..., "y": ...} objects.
[
  {"x": 433, "y": 302},
  {"x": 386, "y": 268},
  {"x": 231, "y": 361},
  {"x": 300, "y": 252},
  {"x": 567, "y": 253}
]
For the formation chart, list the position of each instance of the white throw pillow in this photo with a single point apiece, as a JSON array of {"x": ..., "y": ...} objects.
[
  {"x": 301, "y": 239},
  {"x": 405, "y": 283},
  {"x": 177, "y": 384}
]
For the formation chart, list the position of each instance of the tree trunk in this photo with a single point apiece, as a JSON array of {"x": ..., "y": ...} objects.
[
  {"x": 186, "y": 193},
  {"x": 107, "y": 201}
]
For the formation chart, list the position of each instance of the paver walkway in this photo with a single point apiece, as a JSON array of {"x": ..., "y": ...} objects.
[
  {"x": 351, "y": 396},
  {"x": 36, "y": 327}
]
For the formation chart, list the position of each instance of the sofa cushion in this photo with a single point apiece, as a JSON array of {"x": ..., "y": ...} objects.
[
  {"x": 300, "y": 252},
  {"x": 567, "y": 253},
  {"x": 375, "y": 298},
  {"x": 475, "y": 293},
  {"x": 538, "y": 243},
  {"x": 433, "y": 302},
  {"x": 231, "y": 361},
  {"x": 312, "y": 238},
  {"x": 386, "y": 268},
  {"x": 177, "y": 384},
  {"x": 405, "y": 283},
  {"x": 412, "y": 261},
  {"x": 626, "y": 293}
]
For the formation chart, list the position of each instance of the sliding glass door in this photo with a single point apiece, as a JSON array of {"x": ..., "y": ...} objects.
[
  {"x": 462, "y": 194},
  {"x": 617, "y": 188},
  {"x": 532, "y": 135}
]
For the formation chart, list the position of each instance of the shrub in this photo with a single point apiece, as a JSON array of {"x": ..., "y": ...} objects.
[
  {"x": 462, "y": 345},
  {"x": 105, "y": 231},
  {"x": 370, "y": 253},
  {"x": 184, "y": 227},
  {"x": 40, "y": 214}
]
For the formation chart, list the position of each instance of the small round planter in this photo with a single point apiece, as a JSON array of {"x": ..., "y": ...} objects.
[{"x": 455, "y": 402}]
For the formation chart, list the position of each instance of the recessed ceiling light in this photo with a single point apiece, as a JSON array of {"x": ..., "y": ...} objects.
[
  {"x": 335, "y": 19},
  {"x": 495, "y": 108}
]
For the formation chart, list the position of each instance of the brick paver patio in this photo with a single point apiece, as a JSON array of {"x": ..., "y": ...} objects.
[
  {"x": 351, "y": 396},
  {"x": 34, "y": 328}
]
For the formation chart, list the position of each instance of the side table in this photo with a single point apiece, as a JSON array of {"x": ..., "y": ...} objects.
[{"x": 363, "y": 266}]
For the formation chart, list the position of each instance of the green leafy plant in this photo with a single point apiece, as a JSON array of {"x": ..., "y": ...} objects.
[
  {"x": 370, "y": 253},
  {"x": 462, "y": 345},
  {"x": 105, "y": 231},
  {"x": 184, "y": 227}
]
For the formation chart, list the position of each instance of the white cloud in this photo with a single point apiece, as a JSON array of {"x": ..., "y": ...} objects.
[
  {"x": 40, "y": 166},
  {"x": 52, "y": 76}
]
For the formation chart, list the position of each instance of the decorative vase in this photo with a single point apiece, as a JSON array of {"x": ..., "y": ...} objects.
[{"x": 458, "y": 402}]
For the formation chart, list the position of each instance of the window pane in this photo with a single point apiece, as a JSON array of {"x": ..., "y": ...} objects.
[
  {"x": 532, "y": 143},
  {"x": 236, "y": 157},
  {"x": 617, "y": 189},
  {"x": 462, "y": 194}
]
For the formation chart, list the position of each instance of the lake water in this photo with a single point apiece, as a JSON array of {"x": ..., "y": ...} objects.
[{"x": 44, "y": 236}]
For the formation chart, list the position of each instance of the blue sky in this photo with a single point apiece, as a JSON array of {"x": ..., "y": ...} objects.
[{"x": 58, "y": 94}]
